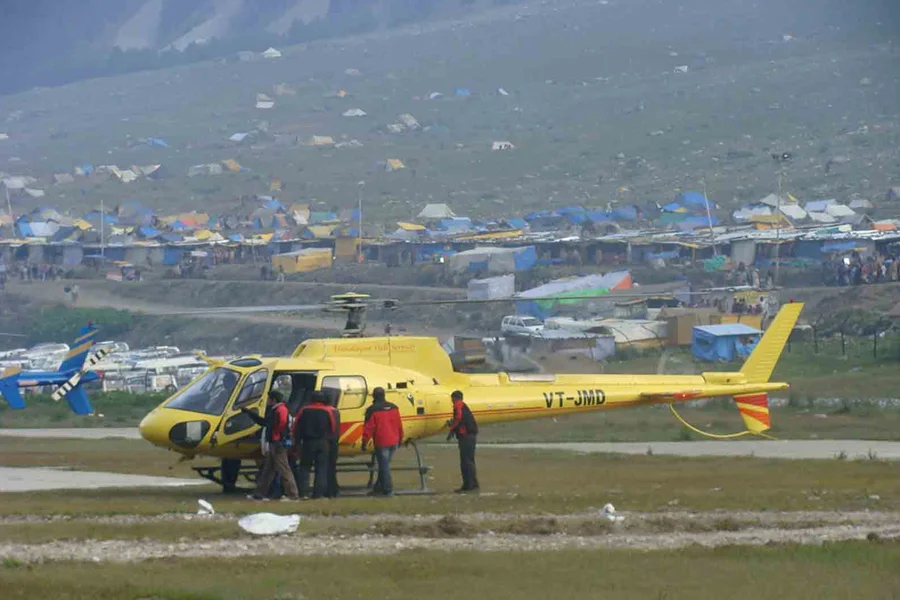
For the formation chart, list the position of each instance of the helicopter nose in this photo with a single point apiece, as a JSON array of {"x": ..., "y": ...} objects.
[{"x": 152, "y": 430}]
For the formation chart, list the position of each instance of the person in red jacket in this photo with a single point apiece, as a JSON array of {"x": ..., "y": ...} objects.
[
  {"x": 384, "y": 428},
  {"x": 279, "y": 440},
  {"x": 465, "y": 428}
]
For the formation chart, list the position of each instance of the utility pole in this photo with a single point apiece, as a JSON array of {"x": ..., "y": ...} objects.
[
  {"x": 712, "y": 235},
  {"x": 359, "y": 248},
  {"x": 102, "y": 230},
  {"x": 777, "y": 231},
  {"x": 8, "y": 204}
]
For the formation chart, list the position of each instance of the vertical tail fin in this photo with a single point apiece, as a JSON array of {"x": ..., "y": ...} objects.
[
  {"x": 78, "y": 401},
  {"x": 80, "y": 347},
  {"x": 761, "y": 363},
  {"x": 9, "y": 388}
]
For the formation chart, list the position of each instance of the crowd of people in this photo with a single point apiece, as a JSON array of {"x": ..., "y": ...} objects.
[
  {"x": 854, "y": 270},
  {"x": 306, "y": 444}
]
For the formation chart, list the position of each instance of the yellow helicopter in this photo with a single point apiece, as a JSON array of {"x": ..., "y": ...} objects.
[{"x": 204, "y": 418}]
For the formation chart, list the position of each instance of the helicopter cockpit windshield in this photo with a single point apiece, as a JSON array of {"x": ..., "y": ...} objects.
[{"x": 209, "y": 394}]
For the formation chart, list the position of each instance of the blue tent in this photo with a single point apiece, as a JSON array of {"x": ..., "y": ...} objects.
[
  {"x": 693, "y": 200},
  {"x": 625, "y": 213},
  {"x": 726, "y": 342},
  {"x": 599, "y": 216},
  {"x": 517, "y": 223},
  {"x": 463, "y": 92},
  {"x": 148, "y": 232},
  {"x": 456, "y": 224}
]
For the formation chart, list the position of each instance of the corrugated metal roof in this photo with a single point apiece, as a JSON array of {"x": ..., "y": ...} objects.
[{"x": 728, "y": 329}]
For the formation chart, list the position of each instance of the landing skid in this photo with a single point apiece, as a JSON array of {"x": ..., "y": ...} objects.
[{"x": 230, "y": 470}]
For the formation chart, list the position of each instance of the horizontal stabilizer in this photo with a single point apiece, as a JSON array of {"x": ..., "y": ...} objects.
[{"x": 78, "y": 401}]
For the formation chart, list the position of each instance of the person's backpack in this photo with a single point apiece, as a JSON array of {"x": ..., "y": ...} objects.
[{"x": 287, "y": 440}]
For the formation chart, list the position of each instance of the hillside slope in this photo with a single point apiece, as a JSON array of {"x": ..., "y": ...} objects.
[{"x": 592, "y": 98}]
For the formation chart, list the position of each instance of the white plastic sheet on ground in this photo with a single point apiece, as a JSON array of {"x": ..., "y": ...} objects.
[
  {"x": 269, "y": 524},
  {"x": 609, "y": 511}
]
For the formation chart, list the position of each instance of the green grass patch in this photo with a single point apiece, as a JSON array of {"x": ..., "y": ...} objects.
[
  {"x": 521, "y": 481},
  {"x": 833, "y": 570}
]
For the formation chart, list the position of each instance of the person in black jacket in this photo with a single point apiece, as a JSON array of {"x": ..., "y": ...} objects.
[
  {"x": 314, "y": 431},
  {"x": 331, "y": 401},
  {"x": 465, "y": 428}
]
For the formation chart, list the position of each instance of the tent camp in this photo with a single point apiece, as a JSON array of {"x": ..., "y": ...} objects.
[
  {"x": 539, "y": 301},
  {"x": 494, "y": 260},
  {"x": 436, "y": 211},
  {"x": 726, "y": 343}
]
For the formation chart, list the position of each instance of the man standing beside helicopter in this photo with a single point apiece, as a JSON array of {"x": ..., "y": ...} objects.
[
  {"x": 465, "y": 428},
  {"x": 278, "y": 436},
  {"x": 314, "y": 432},
  {"x": 384, "y": 427}
]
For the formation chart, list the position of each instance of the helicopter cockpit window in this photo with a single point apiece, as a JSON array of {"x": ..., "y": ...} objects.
[
  {"x": 209, "y": 394},
  {"x": 350, "y": 391},
  {"x": 253, "y": 388}
]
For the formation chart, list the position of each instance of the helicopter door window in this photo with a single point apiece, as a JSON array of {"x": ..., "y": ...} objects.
[
  {"x": 253, "y": 389},
  {"x": 351, "y": 391}
]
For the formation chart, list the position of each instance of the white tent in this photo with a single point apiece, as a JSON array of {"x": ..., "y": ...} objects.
[
  {"x": 503, "y": 286},
  {"x": 820, "y": 217},
  {"x": 436, "y": 211},
  {"x": 271, "y": 53},
  {"x": 839, "y": 210},
  {"x": 354, "y": 112},
  {"x": 794, "y": 212}
]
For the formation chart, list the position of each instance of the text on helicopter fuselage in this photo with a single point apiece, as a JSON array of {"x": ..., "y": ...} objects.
[{"x": 582, "y": 398}]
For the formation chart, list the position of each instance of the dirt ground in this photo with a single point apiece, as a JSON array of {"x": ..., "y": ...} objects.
[{"x": 634, "y": 532}]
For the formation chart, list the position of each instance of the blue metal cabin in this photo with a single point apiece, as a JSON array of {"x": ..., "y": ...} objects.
[{"x": 724, "y": 343}]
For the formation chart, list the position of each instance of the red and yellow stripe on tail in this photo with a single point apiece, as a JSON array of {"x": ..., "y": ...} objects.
[{"x": 754, "y": 409}]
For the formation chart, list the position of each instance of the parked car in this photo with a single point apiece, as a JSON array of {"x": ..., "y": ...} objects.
[{"x": 518, "y": 325}]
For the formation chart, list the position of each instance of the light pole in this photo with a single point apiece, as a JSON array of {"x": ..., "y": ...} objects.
[{"x": 359, "y": 248}]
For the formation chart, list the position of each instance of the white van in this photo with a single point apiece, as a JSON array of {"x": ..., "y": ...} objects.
[{"x": 521, "y": 325}]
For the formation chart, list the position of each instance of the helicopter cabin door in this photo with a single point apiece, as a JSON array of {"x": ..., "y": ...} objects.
[
  {"x": 238, "y": 430},
  {"x": 350, "y": 394}
]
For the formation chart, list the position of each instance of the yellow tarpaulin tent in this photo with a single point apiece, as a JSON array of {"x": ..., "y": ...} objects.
[
  {"x": 302, "y": 261},
  {"x": 410, "y": 226},
  {"x": 345, "y": 247},
  {"x": 321, "y": 232},
  {"x": 232, "y": 165}
]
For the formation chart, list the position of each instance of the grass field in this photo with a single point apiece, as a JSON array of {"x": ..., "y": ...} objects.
[
  {"x": 833, "y": 571},
  {"x": 521, "y": 481}
]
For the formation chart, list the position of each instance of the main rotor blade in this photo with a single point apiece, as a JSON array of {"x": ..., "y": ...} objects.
[
  {"x": 230, "y": 310},
  {"x": 610, "y": 296},
  {"x": 12, "y": 334}
]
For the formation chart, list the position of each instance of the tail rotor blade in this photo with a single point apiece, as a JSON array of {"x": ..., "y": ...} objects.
[{"x": 75, "y": 379}]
